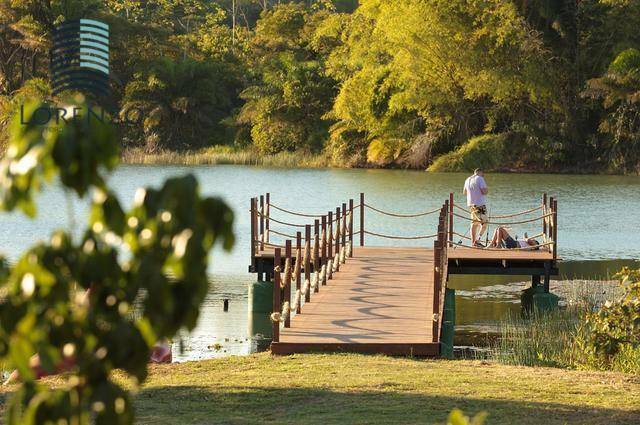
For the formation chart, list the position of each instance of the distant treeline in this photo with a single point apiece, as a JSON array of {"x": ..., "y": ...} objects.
[{"x": 439, "y": 84}]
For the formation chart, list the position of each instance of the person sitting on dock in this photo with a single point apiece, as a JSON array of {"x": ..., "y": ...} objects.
[
  {"x": 502, "y": 239},
  {"x": 476, "y": 188}
]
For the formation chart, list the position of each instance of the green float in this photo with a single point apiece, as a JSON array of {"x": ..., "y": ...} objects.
[
  {"x": 448, "y": 324},
  {"x": 260, "y": 304}
]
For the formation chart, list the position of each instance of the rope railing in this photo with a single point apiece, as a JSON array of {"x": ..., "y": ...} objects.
[
  {"x": 295, "y": 213},
  {"x": 516, "y": 214},
  {"x": 529, "y": 248},
  {"x": 506, "y": 223},
  {"x": 319, "y": 251},
  {"x": 399, "y": 215},
  {"x": 367, "y": 232}
]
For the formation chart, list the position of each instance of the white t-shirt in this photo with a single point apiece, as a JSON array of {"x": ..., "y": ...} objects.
[{"x": 474, "y": 186}]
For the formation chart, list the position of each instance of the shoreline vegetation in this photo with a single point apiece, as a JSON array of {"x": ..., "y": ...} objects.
[
  {"x": 225, "y": 155},
  {"x": 350, "y": 388}
]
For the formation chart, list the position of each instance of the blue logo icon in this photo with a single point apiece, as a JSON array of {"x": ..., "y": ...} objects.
[{"x": 80, "y": 57}]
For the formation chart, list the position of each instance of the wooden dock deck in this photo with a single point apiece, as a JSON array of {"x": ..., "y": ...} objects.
[
  {"x": 331, "y": 295},
  {"x": 381, "y": 301}
]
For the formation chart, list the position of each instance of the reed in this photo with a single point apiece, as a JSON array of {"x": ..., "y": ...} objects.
[
  {"x": 220, "y": 155},
  {"x": 560, "y": 338}
]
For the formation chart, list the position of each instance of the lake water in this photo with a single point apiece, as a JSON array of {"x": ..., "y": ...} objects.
[{"x": 598, "y": 221}]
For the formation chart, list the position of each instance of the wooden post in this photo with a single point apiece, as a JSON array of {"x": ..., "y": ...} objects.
[
  {"x": 287, "y": 282},
  {"x": 338, "y": 235},
  {"x": 330, "y": 236},
  {"x": 436, "y": 290},
  {"x": 550, "y": 223},
  {"x": 351, "y": 226},
  {"x": 323, "y": 255},
  {"x": 445, "y": 219},
  {"x": 544, "y": 212},
  {"x": 252, "y": 209},
  {"x": 307, "y": 260},
  {"x": 276, "y": 293},
  {"x": 298, "y": 268},
  {"x": 316, "y": 250},
  {"x": 343, "y": 229},
  {"x": 555, "y": 229},
  {"x": 262, "y": 235},
  {"x": 451, "y": 217},
  {"x": 267, "y": 215},
  {"x": 362, "y": 219}
]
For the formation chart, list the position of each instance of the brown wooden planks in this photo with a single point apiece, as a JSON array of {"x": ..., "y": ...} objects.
[{"x": 381, "y": 301}]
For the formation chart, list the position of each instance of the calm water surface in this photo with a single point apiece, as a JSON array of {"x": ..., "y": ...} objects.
[{"x": 598, "y": 230}]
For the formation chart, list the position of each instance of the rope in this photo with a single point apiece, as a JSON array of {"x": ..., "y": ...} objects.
[
  {"x": 506, "y": 215},
  {"x": 403, "y": 215},
  {"x": 517, "y": 214},
  {"x": 531, "y": 248},
  {"x": 284, "y": 223},
  {"x": 506, "y": 223},
  {"x": 299, "y": 214},
  {"x": 282, "y": 234},
  {"x": 267, "y": 244},
  {"x": 366, "y": 232}
]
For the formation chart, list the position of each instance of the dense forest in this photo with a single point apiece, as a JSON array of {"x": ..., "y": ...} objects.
[{"x": 438, "y": 84}]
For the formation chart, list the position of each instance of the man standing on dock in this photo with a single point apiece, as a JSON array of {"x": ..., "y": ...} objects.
[{"x": 476, "y": 188}]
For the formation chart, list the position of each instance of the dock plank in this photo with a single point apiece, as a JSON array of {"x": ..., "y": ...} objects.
[{"x": 380, "y": 301}]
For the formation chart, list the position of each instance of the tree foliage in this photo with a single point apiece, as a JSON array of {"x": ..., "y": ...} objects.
[
  {"x": 99, "y": 303},
  {"x": 369, "y": 83},
  {"x": 617, "y": 323}
]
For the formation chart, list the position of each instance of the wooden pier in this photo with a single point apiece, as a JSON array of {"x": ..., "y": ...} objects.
[{"x": 334, "y": 293}]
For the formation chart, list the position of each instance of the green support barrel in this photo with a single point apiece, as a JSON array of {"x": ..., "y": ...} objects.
[
  {"x": 535, "y": 298},
  {"x": 448, "y": 324},
  {"x": 260, "y": 299}
]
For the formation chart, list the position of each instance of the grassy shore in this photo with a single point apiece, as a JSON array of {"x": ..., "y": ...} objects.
[
  {"x": 350, "y": 389},
  {"x": 225, "y": 155}
]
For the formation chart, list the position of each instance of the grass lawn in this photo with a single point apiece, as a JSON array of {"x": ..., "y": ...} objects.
[{"x": 346, "y": 389}]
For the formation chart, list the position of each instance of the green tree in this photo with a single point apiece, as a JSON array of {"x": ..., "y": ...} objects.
[
  {"x": 70, "y": 302},
  {"x": 286, "y": 104},
  {"x": 415, "y": 72},
  {"x": 619, "y": 92},
  {"x": 183, "y": 103}
]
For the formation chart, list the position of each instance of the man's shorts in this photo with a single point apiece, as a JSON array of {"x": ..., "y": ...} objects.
[{"x": 479, "y": 213}]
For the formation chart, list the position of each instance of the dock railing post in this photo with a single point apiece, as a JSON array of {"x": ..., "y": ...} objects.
[
  {"x": 262, "y": 235},
  {"x": 362, "y": 219},
  {"x": 307, "y": 261},
  {"x": 350, "y": 227},
  {"x": 451, "y": 217},
  {"x": 436, "y": 290},
  {"x": 323, "y": 255},
  {"x": 287, "y": 281},
  {"x": 298, "y": 268},
  {"x": 550, "y": 224},
  {"x": 316, "y": 250},
  {"x": 343, "y": 228},
  {"x": 267, "y": 215},
  {"x": 339, "y": 220},
  {"x": 252, "y": 210},
  {"x": 544, "y": 213},
  {"x": 330, "y": 236},
  {"x": 276, "y": 306},
  {"x": 555, "y": 229}
]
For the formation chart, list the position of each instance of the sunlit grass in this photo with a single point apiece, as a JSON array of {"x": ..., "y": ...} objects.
[{"x": 225, "y": 155}]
